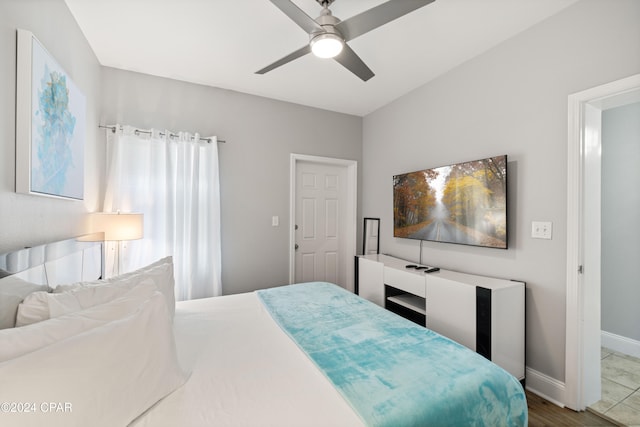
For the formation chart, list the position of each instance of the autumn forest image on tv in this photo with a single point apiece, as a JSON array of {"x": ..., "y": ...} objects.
[{"x": 463, "y": 203}]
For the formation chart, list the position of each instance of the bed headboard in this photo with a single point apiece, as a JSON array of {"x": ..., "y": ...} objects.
[{"x": 66, "y": 261}]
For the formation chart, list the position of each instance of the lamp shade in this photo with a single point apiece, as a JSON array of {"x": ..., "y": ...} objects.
[{"x": 118, "y": 226}]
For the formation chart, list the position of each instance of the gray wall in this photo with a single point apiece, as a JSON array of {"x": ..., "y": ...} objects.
[
  {"x": 26, "y": 219},
  {"x": 254, "y": 163},
  {"x": 510, "y": 100},
  {"x": 620, "y": 225}
]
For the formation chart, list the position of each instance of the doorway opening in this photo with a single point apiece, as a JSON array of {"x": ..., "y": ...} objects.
[{"x": 583, "y": 329}]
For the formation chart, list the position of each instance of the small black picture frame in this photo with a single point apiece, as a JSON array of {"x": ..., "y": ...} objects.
[{"x": 371, "y": 236}]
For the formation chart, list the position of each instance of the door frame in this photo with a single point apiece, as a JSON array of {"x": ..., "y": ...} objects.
[
  {"x": 351, "y": 167},
  {"x": 583, "y": 235}
]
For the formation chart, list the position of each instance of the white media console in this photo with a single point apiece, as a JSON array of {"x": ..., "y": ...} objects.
[{"x": 482, "y": 313}]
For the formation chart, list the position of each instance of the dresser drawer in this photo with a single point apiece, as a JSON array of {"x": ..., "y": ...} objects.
[{"x": 408, "y": 281}]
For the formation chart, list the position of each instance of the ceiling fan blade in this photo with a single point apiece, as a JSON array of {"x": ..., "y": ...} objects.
[
  {"x": 293, "y": 55},
  {"x": 377, "y": 16},
  {"x": 297, "y": 15},
  {"x": 351, "y": 61}
]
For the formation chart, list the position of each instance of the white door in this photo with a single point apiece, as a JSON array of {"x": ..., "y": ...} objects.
[{"x": 320, "y": 212}]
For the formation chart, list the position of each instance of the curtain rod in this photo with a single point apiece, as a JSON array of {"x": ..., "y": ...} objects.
[{"x": 148, "y": 132}]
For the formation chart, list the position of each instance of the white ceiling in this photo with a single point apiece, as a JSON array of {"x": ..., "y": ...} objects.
[{"x": 222, "y": 43}]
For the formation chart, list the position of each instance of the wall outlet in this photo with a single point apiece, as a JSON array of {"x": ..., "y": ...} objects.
[{"x": 541, "y": 229}]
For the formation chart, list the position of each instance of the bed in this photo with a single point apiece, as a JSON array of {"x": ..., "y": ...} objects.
[{"x": 123, "y": 352}]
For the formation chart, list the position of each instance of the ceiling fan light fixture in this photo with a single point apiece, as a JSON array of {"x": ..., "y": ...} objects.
[{"x": 326, "y": 45}]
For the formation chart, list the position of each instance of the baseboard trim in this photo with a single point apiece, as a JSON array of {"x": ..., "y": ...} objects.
[
  {"x": 546, "y": 387},
  {"x": 620, "y": 344},
  {"x": 554, "y": 390}
]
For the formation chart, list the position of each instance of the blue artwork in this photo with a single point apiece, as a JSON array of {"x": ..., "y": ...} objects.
[{"x": 57, "y": 129}]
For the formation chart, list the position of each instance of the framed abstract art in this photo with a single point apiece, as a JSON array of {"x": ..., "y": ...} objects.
[{"x": 50, "y": 125}]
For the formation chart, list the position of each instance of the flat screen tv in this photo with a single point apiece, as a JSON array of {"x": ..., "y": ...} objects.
[{"x": 463, "y": 203}]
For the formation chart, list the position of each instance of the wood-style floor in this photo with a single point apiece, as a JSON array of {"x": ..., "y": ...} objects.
[{"x": 544, "y": 413}]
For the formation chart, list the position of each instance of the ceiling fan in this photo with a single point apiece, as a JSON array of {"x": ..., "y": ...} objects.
[{"x": 328, "y": 36}]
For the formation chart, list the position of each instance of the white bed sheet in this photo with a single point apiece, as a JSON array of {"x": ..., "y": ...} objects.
[{"x": 245, "y": 371}]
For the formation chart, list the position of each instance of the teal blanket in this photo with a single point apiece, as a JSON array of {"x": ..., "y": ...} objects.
[{"x": 390, "y": 370}]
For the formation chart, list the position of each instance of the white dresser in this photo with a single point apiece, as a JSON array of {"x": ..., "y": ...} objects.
[{"x": 482, "y": 313}]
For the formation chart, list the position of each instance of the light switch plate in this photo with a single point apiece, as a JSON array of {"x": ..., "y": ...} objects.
[{"x": 541, "y": 229}]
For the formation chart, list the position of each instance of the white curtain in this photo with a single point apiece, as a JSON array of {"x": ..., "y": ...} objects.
[{"x": 173, "y": 180}]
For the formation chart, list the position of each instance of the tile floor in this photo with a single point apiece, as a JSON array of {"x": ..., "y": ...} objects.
[{"x": 620, "y": 388}]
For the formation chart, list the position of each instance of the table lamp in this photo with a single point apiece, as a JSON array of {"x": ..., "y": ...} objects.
[{"x": 118, "y": 227}]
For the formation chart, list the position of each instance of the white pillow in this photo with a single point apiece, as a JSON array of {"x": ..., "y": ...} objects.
[
  {"x": 106, "y": 376},
  {"x": 160, "y": 262},
  {"x": 161, "y": 272},
  {"x": 70, "y": 286},
  {"x": 13, "y": 291},
  {"x": 40, "y": 306},
  {"x": 34, "y": 308},
  {"x": 19, "y": 341}
]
